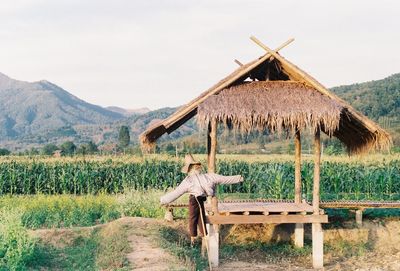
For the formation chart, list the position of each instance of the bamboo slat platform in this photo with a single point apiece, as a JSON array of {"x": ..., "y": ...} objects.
[
  {"x": 261, "y": 207},
  {"x": 334, "y": 204},
  {"x": 357, "y": 204}
]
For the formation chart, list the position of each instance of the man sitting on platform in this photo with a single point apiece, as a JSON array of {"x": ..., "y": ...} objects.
[{"x": 199, "y": 186}]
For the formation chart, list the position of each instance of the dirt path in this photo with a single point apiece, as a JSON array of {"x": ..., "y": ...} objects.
[{"x": 146, "y": 254}]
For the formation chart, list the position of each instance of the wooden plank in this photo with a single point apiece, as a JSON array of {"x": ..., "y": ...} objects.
[
  {"x": 317, "y": 165},
  {"x": 274, "y": 219}
]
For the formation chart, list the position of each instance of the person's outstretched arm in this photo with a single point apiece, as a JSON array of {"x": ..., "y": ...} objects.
[
  {"x": 173, "y": 195},
  {"x": 220, "y": 179}
]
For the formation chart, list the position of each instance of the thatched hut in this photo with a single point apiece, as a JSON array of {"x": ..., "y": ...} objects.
[{"x": 272, "y": 93}]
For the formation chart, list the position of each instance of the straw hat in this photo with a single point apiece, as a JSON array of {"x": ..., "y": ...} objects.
[{"x": 189, "y": 160}]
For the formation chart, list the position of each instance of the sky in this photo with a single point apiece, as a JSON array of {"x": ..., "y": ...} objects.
[{"x": 156, "y": 54}]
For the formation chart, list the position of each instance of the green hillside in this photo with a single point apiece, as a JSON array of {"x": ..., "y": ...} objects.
[
  {"x": 379, "y": 100},
  {"x": 35, "y": 114},
  {"x": 32, "y": 108},
  {"x": 375, "y": 99}
]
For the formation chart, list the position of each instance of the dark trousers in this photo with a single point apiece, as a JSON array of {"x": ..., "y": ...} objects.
[{"x": 194, "y": 215}]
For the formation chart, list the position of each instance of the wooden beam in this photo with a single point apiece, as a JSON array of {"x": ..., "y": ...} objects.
[
  {"x": 275, "y": 219},
  {"x": 317, "y": 165},
  {"x": 238, "y": 62},
  {"x": 219, "y": 86}
]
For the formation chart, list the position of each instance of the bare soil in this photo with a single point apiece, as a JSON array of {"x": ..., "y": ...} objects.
[{"x": 146, "y": 254}]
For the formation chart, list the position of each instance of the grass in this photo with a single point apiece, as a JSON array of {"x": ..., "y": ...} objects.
[
  {"x": 274, "y": 253},
  {"x": 55, "y": 211},
  {"x": 279, "y": 253},
  {"x": 100, "y": 248},
  {"x": 178, "y": 244},
  {"x": 58, "y": 211}
]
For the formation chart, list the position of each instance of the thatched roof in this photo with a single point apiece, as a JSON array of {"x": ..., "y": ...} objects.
[
  {"x": 277, "y": 106},
  {"x": 274, "y": 105}
]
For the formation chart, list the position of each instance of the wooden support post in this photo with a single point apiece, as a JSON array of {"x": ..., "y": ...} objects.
[
  {"x": 212, "y": 145},
  {"x": 213, "y": 244},
  {"x": 214, "y": 205},
  {"x": 169, "y": 215},
  {"x": 317, "y": 245},
  {"x": 213, "y": 230},
  {"x": 317, "y": 165},
  {"x": 317, "y": 233},
  {"x": 299, "y": 228},
  {"x": 359, "y": 213},
  {"x": 297, "y": 171}
]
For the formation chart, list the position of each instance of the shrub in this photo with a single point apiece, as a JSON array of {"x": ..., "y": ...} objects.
[{"x": 16, "y": 245}]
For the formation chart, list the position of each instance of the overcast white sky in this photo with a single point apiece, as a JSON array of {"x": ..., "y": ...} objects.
[{"x": 163, "y": 53}]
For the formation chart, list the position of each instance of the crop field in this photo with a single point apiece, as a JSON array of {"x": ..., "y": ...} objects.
[
  {"x": 51, "y": 193},
  {"x": 341, "y": 178}
]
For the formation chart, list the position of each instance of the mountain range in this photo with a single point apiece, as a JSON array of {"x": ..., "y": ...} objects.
[{"x": 37, "y": 113}]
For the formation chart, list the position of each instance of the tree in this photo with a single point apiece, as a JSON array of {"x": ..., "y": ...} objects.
[
  {"x": 170, "y": 149},
  {"x": 4, "y": 152},
  {"x": 68, "y": 148},
  {"x": 33, "y": 151},
  {"x": 92, "y": 147},
  {"x": 49, "y": 149},
  {"x": 123, "y": 137},
  {"x": 88, "y": 148}
]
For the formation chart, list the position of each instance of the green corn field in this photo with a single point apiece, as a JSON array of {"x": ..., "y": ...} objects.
[{"x": 378, "y": 180}]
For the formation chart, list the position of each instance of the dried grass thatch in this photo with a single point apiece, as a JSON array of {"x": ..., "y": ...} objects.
[
  {"x": 289, "y": 106},
  {"x": 274, "y": 105}
]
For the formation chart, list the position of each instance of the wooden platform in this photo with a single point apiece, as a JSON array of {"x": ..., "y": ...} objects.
[
  {"x": 257, "y": 207},
  {"x": 334, "y": 204},
  {"x": 357, "y": 204},
  {"x": 265, "y": 219}
]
